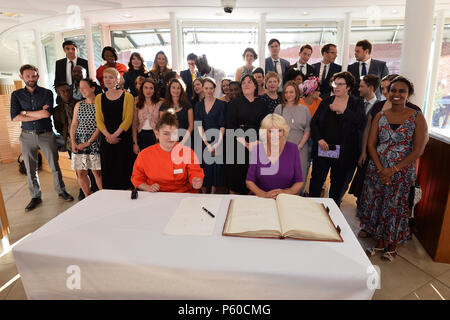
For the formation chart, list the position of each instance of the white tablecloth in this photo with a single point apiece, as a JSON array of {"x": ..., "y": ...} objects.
[{"x": 121, "y": 251}]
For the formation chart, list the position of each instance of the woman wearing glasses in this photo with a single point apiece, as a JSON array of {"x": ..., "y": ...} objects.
[{"x": 335, "y": 129}]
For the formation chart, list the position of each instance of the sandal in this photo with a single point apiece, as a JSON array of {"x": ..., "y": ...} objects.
[
  {"x": 373, "y": 251},
  {"x": 389, "y": 255},
  {"x": 363, "y": 234}
]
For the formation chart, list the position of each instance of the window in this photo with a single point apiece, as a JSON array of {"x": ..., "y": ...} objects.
[
  {"x": 223, "y": 46},
  {"x": 146, "y": 42},
  {"x": 440, "y": 121}
]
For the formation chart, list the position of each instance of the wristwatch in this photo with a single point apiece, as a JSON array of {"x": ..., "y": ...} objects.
[{"x": 23, "y": 112}]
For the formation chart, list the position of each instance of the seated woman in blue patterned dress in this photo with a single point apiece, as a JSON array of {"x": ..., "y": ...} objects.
[{"x": 397, "y": 139}]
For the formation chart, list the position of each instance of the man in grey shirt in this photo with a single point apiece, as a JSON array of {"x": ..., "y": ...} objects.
[{"x": 207, "y": 71}]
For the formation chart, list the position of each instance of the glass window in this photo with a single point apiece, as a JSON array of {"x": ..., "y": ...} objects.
[
  {"x": 232, "y": 42},
  {"x": 441, "y": 110},
  {"x": 292, "y": 39},
  {"x": 146, "y": 42}
]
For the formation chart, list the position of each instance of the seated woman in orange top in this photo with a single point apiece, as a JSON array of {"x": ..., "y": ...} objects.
[{"x": 167, "y": 166}]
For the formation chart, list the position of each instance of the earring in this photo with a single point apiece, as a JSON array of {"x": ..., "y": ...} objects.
[{"x": 117, "y": 86}]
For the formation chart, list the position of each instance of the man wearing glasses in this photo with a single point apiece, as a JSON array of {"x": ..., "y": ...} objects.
[{"x": 327, "y": 68}]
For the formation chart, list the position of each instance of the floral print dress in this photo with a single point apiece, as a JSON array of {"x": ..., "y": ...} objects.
[{"x": 384, "y": 209}]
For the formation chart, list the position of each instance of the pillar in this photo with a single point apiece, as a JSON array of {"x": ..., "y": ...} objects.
[
  {"x": 262, "y": 40},
  {"x": 346, "y": 40},
  {"x": 42, "y": 65},
  {"x": 89, "y": 47},
  {"x": 173, "y": 41},
  {"x": 416, "y": 45},
  {"x": 440, "y": 19}
]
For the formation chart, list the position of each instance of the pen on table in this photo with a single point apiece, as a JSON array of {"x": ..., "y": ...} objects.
[{"x": 208, "y": 212}]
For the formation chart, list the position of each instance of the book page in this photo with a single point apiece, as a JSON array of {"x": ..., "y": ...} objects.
[
  {"x": 252, "y": 214},
  {"x": 305, "y": 218},
  {"x": 190, "y": 219}
]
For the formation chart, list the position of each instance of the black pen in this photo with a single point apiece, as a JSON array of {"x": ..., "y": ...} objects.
[{"x": 208, "y": 212}]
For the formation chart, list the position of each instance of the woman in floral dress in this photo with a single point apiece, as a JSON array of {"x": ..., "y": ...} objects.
[{"x": 397, "y": 139}]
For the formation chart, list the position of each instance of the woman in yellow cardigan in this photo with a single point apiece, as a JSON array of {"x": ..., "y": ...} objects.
[{"x": 114, "y": 115}]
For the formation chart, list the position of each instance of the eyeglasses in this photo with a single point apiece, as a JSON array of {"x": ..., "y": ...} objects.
[{"x": 338, "y": 84}]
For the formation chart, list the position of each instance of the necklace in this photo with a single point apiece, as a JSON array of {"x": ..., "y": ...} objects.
[{"x": 176, "y": 108}]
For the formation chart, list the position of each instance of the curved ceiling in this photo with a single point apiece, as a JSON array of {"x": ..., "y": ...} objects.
[{"x": 20, "y": 17}]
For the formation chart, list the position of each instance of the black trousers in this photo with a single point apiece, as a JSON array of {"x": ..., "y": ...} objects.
[
  {"x": 339, "y": 179},
  {"x": 146, "y": 138}
]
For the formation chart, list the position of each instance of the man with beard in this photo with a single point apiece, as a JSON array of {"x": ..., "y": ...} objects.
[
  {"x": 33, "y": 106},
  {"x": 78, "y": 73},
  {"x": 63, "y": 113}
]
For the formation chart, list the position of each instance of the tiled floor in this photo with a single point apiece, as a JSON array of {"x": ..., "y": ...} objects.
[{"x": 412, "y": 275}]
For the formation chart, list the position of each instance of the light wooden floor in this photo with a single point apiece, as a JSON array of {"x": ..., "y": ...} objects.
[{"x": 412, "y": 275}]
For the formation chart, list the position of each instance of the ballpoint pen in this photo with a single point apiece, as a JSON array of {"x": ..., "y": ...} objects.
[{"x": 208, "y": 212}]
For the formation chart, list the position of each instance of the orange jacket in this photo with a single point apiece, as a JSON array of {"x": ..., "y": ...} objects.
[{"x": 173, "y": 171}]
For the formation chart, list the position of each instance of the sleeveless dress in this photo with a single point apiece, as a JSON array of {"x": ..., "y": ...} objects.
[
  {"x": 117, "y": 159},
  {"x": 88, "y": 158},
  {"x": 383, "y": 209},
  {"x": 246, "y": 71}
]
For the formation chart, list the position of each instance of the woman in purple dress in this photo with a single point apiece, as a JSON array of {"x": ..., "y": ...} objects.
[
  {"x": 397, "y": 138},
  {"x": 275, "y": 163}
]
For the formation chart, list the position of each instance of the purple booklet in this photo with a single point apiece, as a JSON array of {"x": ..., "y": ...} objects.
[{"x": 330, "y": 153}]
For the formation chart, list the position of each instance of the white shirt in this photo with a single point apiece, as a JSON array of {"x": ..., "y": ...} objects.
[
  {"x": 280, "y": 73},
  {"x": 367, "y": 62},
  {"x": 322, "y": 66},
  {"x": 302, "y": 67},
  {"x": 370, "y": 103},
  {"x": 278, "y": 69},
  {"x": 69, "y": 70}
]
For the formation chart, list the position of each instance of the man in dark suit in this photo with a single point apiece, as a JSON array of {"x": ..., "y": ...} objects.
[
  {"x": 366, "y": 65},
  {"x": 327, "y": 68},
  {"x": 189, "y": 75},
  {"x": 302, "y": 64},
  {"x": 64, "y": 67},
  {"x": 274, "y": 62}
]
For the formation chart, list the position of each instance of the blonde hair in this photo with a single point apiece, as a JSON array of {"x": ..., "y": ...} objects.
[
  {"x": 272, "y": 74},
  {"x": 113, "y": 72},
  {"x": 273, "y": 120}
]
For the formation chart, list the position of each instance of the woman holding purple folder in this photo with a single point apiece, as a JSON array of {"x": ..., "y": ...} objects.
[{"x": 336, "y": 131}]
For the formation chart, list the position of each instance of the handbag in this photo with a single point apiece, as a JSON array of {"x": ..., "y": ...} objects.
[{"x": 22, "y": 168}]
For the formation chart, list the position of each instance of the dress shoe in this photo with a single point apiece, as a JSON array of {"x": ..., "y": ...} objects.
[
  {"x": 33, "y": 204},
  {"x": 81, "y": 195},
  {"x": 64, "y": 195}
]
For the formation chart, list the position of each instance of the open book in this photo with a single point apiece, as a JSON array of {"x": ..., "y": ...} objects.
[{"x": 288, "y": 216}]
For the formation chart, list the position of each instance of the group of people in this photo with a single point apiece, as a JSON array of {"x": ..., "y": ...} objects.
[{"x": 257, "y": 134}]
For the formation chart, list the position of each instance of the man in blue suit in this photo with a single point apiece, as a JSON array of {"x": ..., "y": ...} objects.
[
  {"x": 366, "y": 65},
  {"x": 190, "y": 74},
  {"x": 327, "y": 68},
  {"x": 274, "y": 62}
]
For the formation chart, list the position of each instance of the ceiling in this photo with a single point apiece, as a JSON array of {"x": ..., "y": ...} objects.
[{"x": 64, "y": 15}]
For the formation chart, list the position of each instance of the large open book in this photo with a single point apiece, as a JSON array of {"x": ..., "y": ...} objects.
[{"x": 288, "y": 216}]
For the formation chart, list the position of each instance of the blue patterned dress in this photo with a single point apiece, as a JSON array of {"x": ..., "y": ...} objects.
[{"x": 384, "y": 209}]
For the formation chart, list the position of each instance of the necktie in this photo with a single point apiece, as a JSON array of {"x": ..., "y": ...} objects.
[
  {"x": 301, "y": 69},
  {"x": 324, "y": 73},
  {"x": 363, "y": 70},
  {"x": 71, "y": 70},
  {"x": 366, "y": 105},
  {"x": 275, "y": 66},
  {"x": 193, "y": 76}
]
